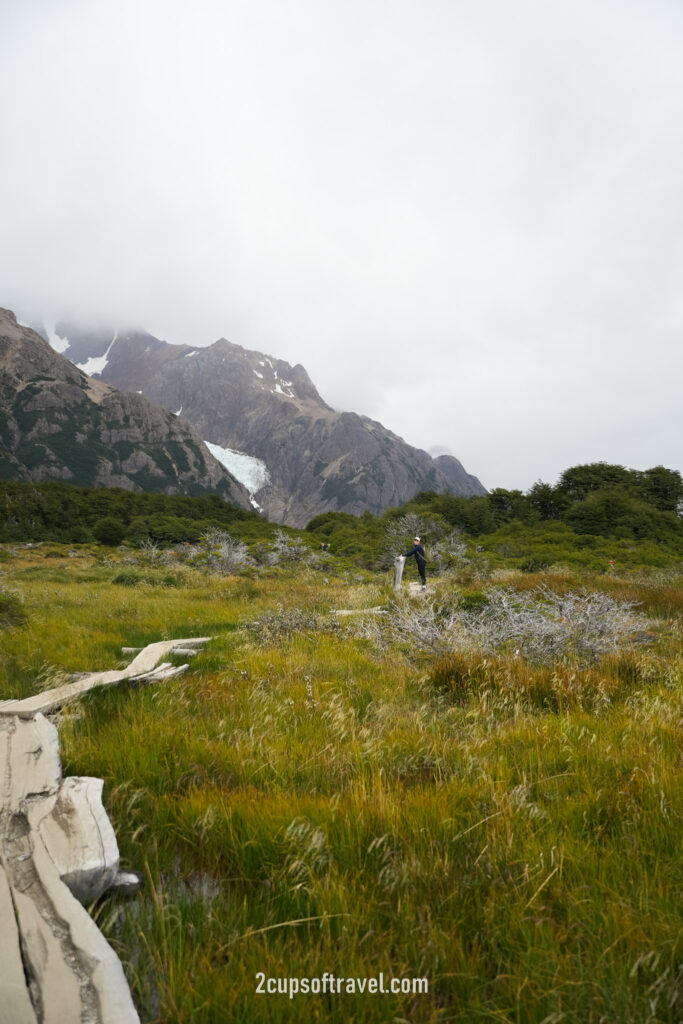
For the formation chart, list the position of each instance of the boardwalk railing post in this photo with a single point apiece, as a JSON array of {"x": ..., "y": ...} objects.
[{"x": 399, "y": 563}]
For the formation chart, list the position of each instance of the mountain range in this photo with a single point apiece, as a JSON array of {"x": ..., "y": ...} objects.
[
  {"x": 58, "y": 423},
  {"x": 266, "y": 422},
  {"x": 125, "y": 409}
]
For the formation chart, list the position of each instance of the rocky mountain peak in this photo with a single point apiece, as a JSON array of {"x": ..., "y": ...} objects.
[
  {"x": 259, "y": 409},
  {"x": 259, "y": 372},
  {"x": 57, "y": 423}
]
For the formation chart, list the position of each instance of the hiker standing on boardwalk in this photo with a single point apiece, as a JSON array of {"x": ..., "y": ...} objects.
[{"x": 420, "y": 559}]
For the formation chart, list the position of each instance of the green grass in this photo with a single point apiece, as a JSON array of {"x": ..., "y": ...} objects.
[{"x": 303, "y": 803}]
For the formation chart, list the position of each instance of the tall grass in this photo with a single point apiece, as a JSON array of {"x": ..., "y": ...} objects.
[{"x": 303, "y": 803}]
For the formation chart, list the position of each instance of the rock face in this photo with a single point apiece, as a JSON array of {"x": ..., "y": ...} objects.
[
  {"x": 318, "y": 460},
  {"x": 57, "y": 423}
]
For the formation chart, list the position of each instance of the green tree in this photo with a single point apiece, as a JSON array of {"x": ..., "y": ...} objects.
[
  {"x": 477, "y": 516},
  {"x": 109, "y": 531},
  {"x": 663, "y": 488},
  {"x": 578, "y": 482},
  {"x": 544, "y": 501},
  {"x": 506, "y": 505},
  {"x": 613, "y": 512}
]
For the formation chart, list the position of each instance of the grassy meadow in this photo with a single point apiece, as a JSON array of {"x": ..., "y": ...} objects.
[{"x": 305, "y": 800}]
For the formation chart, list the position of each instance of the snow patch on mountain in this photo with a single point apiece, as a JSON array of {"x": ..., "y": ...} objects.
[
  {"x": 250, "y": 471},
  {"x": 58, "y": 344},
  {"x": 96, "y": 364}
]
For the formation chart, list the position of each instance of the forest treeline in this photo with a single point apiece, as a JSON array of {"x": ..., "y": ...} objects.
[
  {"x": 598, "y": 498},
  {"x": 593, "y": 509},
  {"x": 61, "y": 512}
]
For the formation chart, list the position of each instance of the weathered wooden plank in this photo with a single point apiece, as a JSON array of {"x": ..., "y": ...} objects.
[
  {"x": 142, "y": 663},
  {"x": 32, "y": 762},
  {"x": 6, "y": 731},
  {"x": 359, "y": 611},
  {"x": 54, "y": 831},
  {"x": 56, "y": 988},
  {"x": 103, "y": 988},
  {"x": 79, "y": 837},
  {"x": 57, "y": 847},
  {"x": 15, "y": 1004}
]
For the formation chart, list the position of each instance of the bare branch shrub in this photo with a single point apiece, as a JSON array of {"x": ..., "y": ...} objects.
[
  {"x": 430, "y": 528},
  {"x": 273, "y": 627},
  {"x": 151, "y": 553},
  {"x": 449, "y": 552},
  {"x": 219, "y": 552},
  {"x": 594, "y": 624},
  {"x": 286, "y": 550},
  {"x": 539, "y": 626},
  {"x": 149, "y": 549}
]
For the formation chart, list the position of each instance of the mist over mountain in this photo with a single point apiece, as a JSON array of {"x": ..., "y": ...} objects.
[
  {"x": 58, "y": 423},
  {"x": 253, "y": 406}
]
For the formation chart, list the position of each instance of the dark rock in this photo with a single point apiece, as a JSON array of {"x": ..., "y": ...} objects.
[{"x": 57, "y": 423}]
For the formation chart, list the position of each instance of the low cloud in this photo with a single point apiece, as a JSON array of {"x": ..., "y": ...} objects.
[{"x": 464, "y": 220}]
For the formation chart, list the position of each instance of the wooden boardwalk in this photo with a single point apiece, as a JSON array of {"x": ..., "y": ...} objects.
[{"x": 57, "y": 850}]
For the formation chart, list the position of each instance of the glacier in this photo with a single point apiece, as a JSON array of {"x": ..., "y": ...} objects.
[{"x": 251, "y": 472}]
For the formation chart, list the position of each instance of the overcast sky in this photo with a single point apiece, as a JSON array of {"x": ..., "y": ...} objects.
[{"x": 463, "y": 217}]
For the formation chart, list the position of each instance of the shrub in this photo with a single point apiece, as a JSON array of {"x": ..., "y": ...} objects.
[
  {"x": 470, "y": 600},
  {"x": 109, "y": 531},
  {"x": 286, "y": 549},
  {"x": 219, "y": 552},
  {"x": 534, "y": 565},
  {"x": 79, "y": 535},
  {"x": 135, "y": 578},
  {"x": 284, "y": 624},
  {"x": 539, "y": 625},
  {"x": 448, "y": 552},
  {"x": 432, "y": 531}
]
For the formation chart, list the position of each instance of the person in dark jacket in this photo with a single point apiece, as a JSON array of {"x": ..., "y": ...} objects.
[{"x": 420, "y": 559}]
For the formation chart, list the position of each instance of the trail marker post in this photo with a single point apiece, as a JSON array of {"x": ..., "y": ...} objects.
[{"x": 399, "y": 563}]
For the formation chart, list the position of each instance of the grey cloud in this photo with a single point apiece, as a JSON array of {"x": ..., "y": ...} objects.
[{"x": 463, "y": 219}]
